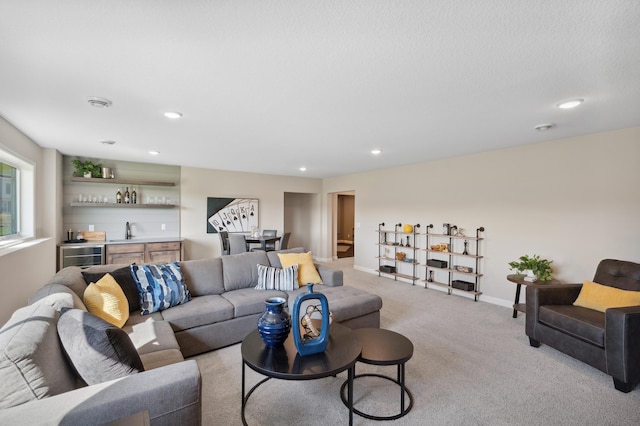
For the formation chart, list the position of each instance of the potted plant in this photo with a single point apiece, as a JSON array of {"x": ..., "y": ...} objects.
[
  {"x": 540, "y": 269},
  {"x": 87, "y": 168}
]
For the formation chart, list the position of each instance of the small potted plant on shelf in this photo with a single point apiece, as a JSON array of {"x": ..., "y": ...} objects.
[
  {"x": 535, "y": 267},
  {"x": 87, "y": 168}
]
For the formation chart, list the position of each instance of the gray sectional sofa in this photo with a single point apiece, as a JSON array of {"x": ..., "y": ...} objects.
[{"x": 224, "y": 308}]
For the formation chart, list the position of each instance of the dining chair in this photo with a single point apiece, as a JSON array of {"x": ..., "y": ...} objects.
[
  {"x": 284, "y": 242},
  {"x": 224, "y": 242},
  {"x": 237, "y": 244}
]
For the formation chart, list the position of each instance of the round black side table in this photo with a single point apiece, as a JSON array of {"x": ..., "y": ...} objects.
[{"x": 384, "y": 347}]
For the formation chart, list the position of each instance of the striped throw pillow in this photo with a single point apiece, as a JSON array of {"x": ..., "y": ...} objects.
[{"x": 270, "y": 278}]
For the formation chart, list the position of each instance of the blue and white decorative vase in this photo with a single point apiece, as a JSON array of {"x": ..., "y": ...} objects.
[
  {"x": 275, "y": 323},
  {"x": 311, "y": 340}
]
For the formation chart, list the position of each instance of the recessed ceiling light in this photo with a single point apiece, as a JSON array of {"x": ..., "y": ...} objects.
[
  {"x": 154, "y": 152},
  {"x": 570, "y": 104},
  {"x": 97, "y": 102},
  {"x": 303, "y": 169},
  {"x": 174, "y": 115},
  {"x": 376, "y": 151},
  {"x": 543, "y": 127},
  {"x": 107, "y": 142}
]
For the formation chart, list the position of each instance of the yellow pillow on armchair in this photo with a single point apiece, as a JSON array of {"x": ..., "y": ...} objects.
[
  {"x": 307, "y": 272},
  {"x": 602, "y": 297}
]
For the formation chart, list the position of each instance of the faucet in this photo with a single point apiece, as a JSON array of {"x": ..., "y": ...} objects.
[{"x": 127, "y": 235}]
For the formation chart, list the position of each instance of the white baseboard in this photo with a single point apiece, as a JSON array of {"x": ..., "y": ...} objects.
[{"x": 482, "y": 297}]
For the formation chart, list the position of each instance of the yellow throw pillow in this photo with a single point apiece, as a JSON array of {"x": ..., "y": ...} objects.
[
  {"x": 602, "y": 297},
  {"x": 307, "y": 272},
  {"x": 105, "y": 299}
]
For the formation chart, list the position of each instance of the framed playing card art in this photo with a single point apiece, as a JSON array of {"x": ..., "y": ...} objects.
[{"x": 231, "y": 214}]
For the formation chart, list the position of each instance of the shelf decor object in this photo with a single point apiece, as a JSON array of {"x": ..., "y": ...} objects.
[
  {"x": 313, "y": 340},
  {"x": 87, "y": 169},
  {"x": 274, "y": 324}
]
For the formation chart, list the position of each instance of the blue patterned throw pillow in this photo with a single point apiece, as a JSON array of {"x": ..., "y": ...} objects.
[{"x": 160, "y": 286}]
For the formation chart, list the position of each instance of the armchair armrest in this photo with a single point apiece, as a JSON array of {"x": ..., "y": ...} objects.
[
  {"x": 622, "y": 343},
  {"x": 171, "y": 394},
  {"x": 551, "y": 294},
  {"x": 330, "y": 277}
]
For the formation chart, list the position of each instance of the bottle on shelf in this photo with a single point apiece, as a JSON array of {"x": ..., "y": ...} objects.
[
  {"x": 119, "y": 197},
  {"x": 134, "y": 196},
  {"x": 127, "y": 196}
]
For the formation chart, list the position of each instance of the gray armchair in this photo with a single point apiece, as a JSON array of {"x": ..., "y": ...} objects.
[{"x": 608, "y": 341}]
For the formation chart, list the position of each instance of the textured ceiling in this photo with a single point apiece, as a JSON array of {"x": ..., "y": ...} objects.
[{"x": 269, "y": 86}]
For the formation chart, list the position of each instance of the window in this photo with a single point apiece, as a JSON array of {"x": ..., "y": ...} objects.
[
  {"x": 17, "y": 199},
  {"x": 8, "y": 200}
]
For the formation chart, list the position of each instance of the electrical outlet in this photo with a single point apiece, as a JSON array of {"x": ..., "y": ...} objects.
[
  {"x": 92, "y": 228},
  {"x": 163, "y": 227}
]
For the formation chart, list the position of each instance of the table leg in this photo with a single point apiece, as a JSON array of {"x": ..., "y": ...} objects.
[
  {"x": 515, "y": 311},
  {"x": 243, "y": 389},
  {"x": 402, "y": 387},
  {"x": 351, "y": 374}
]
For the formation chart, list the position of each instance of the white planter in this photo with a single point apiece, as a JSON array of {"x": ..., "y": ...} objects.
[{"x": 529, "y": 276}]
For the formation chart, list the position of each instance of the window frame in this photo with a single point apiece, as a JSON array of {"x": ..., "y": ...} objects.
[{"x": 24, "y": 196}]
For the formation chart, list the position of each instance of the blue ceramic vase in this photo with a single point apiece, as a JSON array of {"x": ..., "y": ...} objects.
[
  {"x": 317, "y": 344},
  {"x": 275, "y": 323}
]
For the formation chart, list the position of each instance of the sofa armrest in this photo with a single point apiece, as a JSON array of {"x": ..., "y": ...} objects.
[
  {"x": 171, "y": 394},
  {"x": 330, "y": 277},
  {"x": 547, "y": 294},
  {"x": 622, "y": 343}
]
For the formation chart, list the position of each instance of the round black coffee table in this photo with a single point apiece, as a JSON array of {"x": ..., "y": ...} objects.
[
  {"x": 384, "y": 347},
  {"x": 285, "y": 363}
]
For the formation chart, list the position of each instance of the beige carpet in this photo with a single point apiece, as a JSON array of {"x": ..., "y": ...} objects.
[{"x": 472, "y": 365}]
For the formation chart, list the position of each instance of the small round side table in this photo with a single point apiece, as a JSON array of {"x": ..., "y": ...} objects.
[{"x": 384, "y": 347}]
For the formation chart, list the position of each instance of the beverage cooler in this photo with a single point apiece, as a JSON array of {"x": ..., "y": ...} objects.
[{"x": 84, "y": 255}]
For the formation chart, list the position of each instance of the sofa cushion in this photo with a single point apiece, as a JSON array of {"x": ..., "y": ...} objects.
[
  {"x": 58, "y": 296},
  {"x": 152, "y": 337},
  {"x": 161, "y": 358},
  {"x": 105, "y": 299},
  {"x": 345, "y": 302},
  {"x": 270, "y": 278},
  {"x": 98, "y": 350},
  {"x": 248, "y": 301},
  {"x": 602, "y": 297},
  {"x": 240, "y": 270},
  {"x": 70, "y": 277},
  {"x": 307, "y": 272},
  {"x": 32, "y": 363},
  {"x": 274, "y": 260},
  {"x": 125, "y": 280},
  {"x": 583, "y": 323},
  {"x": 203, "y": 276},
  {"x": 202, "y": 310},
  {"x": 160, "y": 286}
]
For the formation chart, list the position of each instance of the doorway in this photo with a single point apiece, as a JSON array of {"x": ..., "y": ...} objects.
[{"x": 345, "y": 225}]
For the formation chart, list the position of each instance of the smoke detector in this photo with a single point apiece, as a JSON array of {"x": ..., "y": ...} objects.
[
  {"x": 97, "y": 102},
  {"x": 543, "y": 127}
]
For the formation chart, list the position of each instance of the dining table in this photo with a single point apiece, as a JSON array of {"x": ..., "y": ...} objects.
[{"x": 262, "y": 240}]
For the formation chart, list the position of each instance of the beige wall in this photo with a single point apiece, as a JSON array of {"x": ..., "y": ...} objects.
[
  {"x": 198, "y": 184},
  {"x": 575, "y": 201},
  {"x": 302, "y": 219},
  {"x": 23, "y": 271}
]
